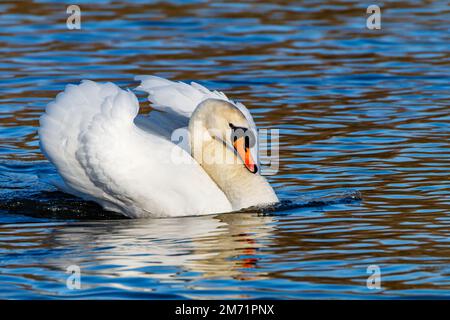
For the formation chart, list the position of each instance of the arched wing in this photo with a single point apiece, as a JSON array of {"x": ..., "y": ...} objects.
[{"x": 89, "y": 134}]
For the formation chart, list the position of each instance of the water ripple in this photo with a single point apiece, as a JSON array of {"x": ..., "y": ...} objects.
[{"x": 357, "y": 110}]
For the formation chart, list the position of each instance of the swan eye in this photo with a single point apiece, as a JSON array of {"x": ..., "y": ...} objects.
[{"x": 241, "y": 132}]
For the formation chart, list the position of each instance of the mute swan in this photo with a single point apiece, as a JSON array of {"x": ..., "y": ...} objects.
[{"x": 104, "y": 152}]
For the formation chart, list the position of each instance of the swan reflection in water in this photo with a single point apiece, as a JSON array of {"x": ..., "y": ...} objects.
[{"x": 220, "y": 246}]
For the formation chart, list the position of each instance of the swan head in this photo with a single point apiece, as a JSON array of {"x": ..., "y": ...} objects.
[
  {"x": 226, "y": 134},
  {"x": 233, "y": 128}
]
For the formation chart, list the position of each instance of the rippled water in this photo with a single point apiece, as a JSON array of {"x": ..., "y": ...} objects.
[{"x": 357, "y": 109}]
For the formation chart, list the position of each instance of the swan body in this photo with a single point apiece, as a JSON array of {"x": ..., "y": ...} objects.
[{"x": 105, "y": 152}]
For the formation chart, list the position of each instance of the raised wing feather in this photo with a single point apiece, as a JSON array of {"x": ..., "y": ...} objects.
[
  {"x": 65, "y": 119},
  {"x": 174, "y": 103},
  {"x": 175, "y": 97},
  {"x": 89, "y": 134}
]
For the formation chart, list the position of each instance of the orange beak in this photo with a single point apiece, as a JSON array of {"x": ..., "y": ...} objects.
[{"x": 244, "y": 153}]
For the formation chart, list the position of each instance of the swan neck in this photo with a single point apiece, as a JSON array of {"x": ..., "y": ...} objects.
[{"x": 242, "y": 188}]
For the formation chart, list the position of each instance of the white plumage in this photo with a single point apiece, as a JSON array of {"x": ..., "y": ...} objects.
[{"x": 104, "y": 153}]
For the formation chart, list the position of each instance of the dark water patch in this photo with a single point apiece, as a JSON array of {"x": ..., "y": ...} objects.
[
  {"x": 56, "y": 205},
  {"x": 61, "y": 206}
]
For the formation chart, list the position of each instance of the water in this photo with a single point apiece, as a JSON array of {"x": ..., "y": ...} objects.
[{"x": 358, "y": 110}]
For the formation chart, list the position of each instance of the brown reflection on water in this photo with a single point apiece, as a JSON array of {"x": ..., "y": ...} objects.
[{"x": 360, "y": 109}]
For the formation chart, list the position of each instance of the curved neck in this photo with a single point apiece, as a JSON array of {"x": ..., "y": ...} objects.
[{"x": 242, "y": 188}]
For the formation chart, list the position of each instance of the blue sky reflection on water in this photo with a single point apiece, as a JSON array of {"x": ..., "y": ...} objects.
[{"x": 357, "y": 110}]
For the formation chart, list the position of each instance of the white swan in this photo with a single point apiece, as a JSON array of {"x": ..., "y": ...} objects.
[{"x": 105, "y": 153}]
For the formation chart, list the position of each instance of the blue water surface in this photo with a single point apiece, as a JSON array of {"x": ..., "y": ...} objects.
[{"x": 358, "y": 110}]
